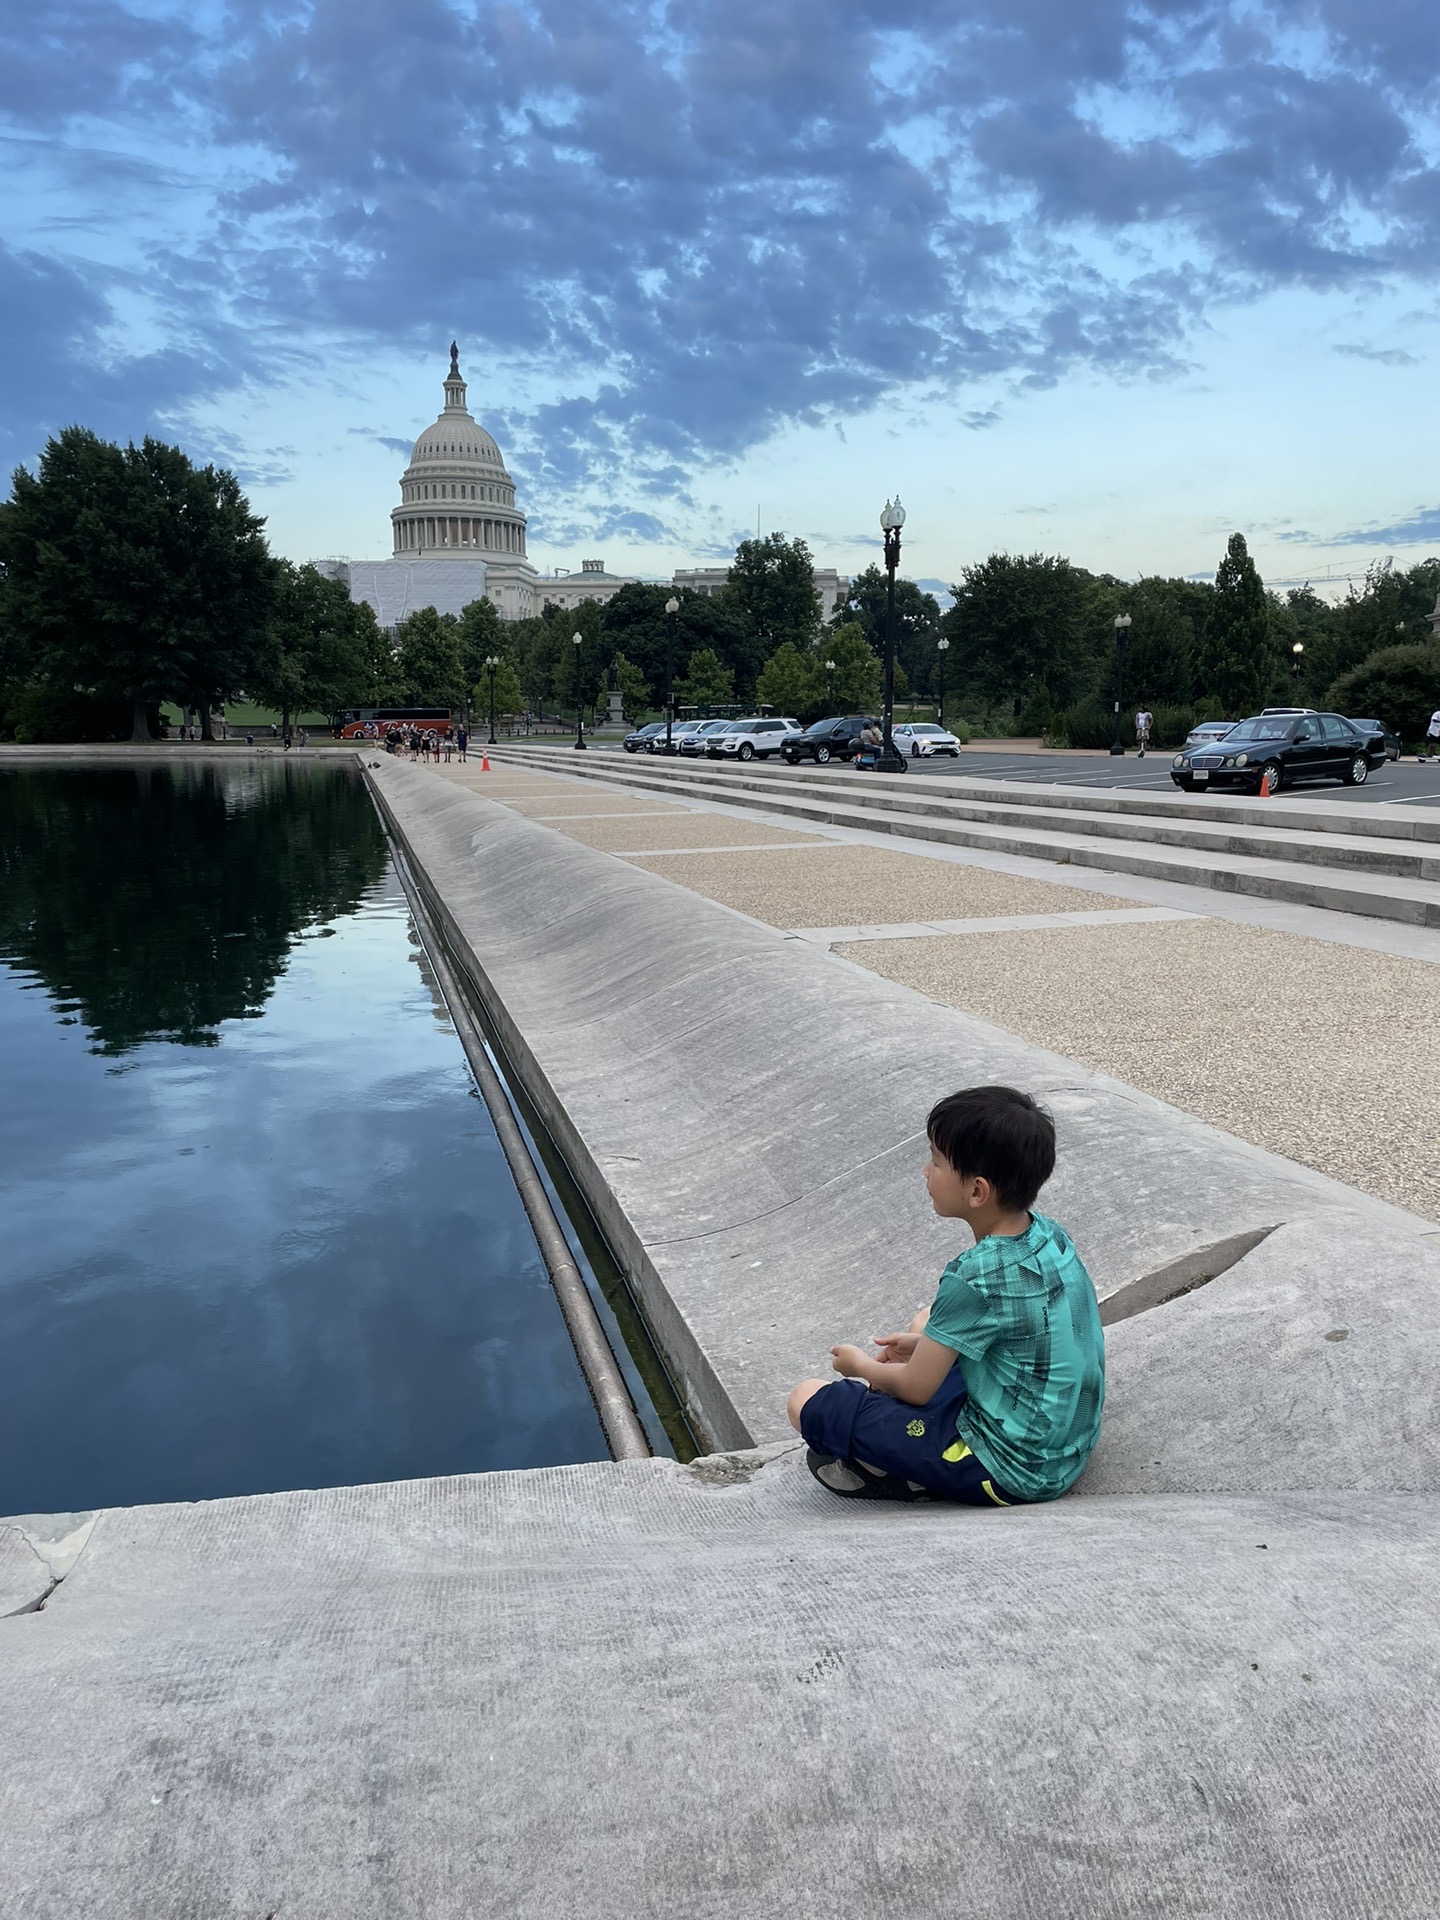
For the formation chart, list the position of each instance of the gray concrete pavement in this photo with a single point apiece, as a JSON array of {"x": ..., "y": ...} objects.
[
  {"x": 1203, "y": 1686},
  {"x": 634, "y": 1693}
]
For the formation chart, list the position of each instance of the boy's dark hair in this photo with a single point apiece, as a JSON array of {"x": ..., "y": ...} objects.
[{"x": 998, "y": 1133}]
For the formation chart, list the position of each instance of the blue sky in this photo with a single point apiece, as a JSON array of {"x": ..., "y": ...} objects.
[{"x": 1096, "y": 278}]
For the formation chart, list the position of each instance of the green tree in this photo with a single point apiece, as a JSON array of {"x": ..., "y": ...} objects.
[
  {"x": 708, "y": 681},
  {"x": 428, "y": 666},
  {"x": 634, "y": 688},
  {"x": 578, "y": 675},
  {"x": 130, "y": 573},
  {"x": 1019, "y": 620},
  {"x": 1388, "y": 610},
  {"x": 635, "y": 621},
  {"x": 318, "y": 645},
  {"x": 508, "y": 697},
  {"x": 917, "y": 623},
  {"x": 791, "y": 682},
  {"x": 1237, "y": 660},
  {"x": 482, "y": 636},
  {"x": 1399, "y": 685},
  {"x": 858, "y": 674},
  {"x": 1161, "y": 647},
  {"x": 379, "y": 685},
  {"x": 772, "y": 586}
]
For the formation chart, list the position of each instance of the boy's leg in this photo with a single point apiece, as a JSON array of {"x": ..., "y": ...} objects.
[{"x": 806, "y": 1390}]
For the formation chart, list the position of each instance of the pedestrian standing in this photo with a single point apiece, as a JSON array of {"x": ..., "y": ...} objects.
[
  {"x": 462, "y": 741},
  {"x": 1432, "y": 738},
  {"x": 1144, "y": 720}
]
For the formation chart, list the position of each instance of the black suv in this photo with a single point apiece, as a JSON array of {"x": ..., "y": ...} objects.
[
  {"x": 837, "y": 739},
  {"x": 1294, "y": 746}
]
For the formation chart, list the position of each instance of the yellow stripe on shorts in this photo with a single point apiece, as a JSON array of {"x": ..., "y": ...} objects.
[
  {"x": 958, "y": 1452},
  {"x": 993, "y": 1494}
]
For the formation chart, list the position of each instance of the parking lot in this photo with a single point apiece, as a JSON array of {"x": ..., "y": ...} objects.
[{"x": 1398, "y": 783}]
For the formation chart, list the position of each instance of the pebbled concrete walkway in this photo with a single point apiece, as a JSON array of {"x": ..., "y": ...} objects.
[{"x": 1204, "y": 1685}]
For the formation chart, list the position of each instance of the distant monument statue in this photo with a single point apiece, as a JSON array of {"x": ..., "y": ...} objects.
[
  {"x": 1434, "y": 617},
  {"x": 614, "y": 700}
]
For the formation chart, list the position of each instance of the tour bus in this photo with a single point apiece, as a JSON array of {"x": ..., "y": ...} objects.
[{"x": 354, "y": 723}]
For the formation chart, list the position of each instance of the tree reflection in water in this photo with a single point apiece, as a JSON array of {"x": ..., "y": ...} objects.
[{"x": 155, "y": 902}]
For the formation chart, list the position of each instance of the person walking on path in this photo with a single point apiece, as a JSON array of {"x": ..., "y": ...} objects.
[
  {"x": 1432, "y": 737},
  {"x": 1144, "y": 721}
]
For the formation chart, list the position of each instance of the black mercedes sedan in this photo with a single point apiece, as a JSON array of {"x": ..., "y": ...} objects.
[{"x": 1290, "y": 747}]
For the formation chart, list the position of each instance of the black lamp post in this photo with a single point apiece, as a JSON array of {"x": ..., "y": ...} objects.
[
  {"x": 830, "y": 685},
  {"x": 1295, "y": 661},
  {"x": 1122, "y": 634},
  {"x": 491, "y": 663},
  {"x": 891, "y": 521},
  {"x": 579, "y": 640},
  {"x": 942, "y": 647},
  {"x": 672, "y": 607}
]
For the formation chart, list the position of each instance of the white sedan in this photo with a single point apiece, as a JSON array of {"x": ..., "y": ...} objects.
[{"x": 921, "y": 737}]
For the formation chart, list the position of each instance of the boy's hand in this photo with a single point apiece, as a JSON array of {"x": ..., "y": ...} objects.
[
  {"x": 895, "y": 1348},
  {"x": 850, "y": 1361}
]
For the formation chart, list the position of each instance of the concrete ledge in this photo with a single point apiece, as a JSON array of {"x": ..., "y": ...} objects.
[
  {"x": 745, "y": 1112},
  {"x": 632, "y": 1693}
]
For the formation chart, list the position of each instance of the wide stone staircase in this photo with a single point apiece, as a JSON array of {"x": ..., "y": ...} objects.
[{"x": 1383, "y": 862}]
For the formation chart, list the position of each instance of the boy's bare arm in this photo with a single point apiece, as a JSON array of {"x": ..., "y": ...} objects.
[{"x": 914, "y": 1380}]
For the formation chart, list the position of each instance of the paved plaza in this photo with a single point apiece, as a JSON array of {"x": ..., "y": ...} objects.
[{"x": 1291, "y": 1036}]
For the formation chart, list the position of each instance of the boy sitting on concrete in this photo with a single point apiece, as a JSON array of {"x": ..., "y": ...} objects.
[{"x": 992, "y": 1398}]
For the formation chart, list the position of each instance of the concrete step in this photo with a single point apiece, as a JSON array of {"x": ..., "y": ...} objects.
[
  {"x": 1284, "y": 839},
  {"x": 1380, "y": 881}
]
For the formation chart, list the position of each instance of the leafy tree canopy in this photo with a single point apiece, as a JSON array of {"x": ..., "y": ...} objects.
[
  {"x": 428, "y": 666},
  {"x": 1237, "y": 659},
  {"x": 708, "y": 681},
  {"x": 131, "y": 573},
  {"x": 792, "y": 682},
  {"x": 1399, "y": 685},
  {"x": 858, "y": 673},
  {"x": 1019, "y": 620},
  {"x": 320, "y": 646},
  {"x": 917, "y": 623},
  {"x": 772, "y": 587}
]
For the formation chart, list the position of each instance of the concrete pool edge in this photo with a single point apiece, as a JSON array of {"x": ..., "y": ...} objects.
[{"x": 604, "y": 979}]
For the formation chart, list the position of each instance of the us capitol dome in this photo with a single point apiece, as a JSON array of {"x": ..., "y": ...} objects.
[{"x": 457, "y": 534}]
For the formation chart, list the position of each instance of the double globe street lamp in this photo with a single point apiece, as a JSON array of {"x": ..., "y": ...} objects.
[
  {"x": 942, "y": 647},
  {"x": 892, "y": 519},
  {"x": 492, "y": 661}
]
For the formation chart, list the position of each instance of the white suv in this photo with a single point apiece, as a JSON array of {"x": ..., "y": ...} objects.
[{"x": 749, "y": 739}]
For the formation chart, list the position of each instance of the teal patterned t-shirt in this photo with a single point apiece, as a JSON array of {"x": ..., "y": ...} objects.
[{"x": 1021, "y": 1313}]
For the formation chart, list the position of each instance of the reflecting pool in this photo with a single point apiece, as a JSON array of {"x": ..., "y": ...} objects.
[{"x": 257, "y": 1229}]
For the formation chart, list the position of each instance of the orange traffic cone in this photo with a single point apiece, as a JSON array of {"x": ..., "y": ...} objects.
[
  {"x": 484, "y": 761},
  {"x": 1265, "y": 784}
]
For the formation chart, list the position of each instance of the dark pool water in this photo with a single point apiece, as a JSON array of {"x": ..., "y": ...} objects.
[{"x": 256, "y": 1231}]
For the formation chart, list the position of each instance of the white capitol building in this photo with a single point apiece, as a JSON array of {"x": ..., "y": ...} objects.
[{"x": 457, "y": 536}]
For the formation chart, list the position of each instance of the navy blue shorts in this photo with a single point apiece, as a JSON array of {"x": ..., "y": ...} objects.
[{"x": 848, "y": 1421}]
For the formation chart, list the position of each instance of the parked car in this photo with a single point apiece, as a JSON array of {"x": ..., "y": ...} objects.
[
  {"x": 834, "y": 739},
  {"x": 754, "y": 739},
  {"x": 1288, "y": 746},
  {"x": 1207, "y": 733},
  {"x": 642, "y": 740},
  {"x": 920, "y": 738},
  {"x": 699, "y": 732},
  {"x": 1393, "y": 746}
]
